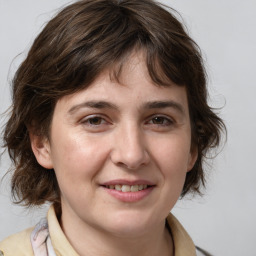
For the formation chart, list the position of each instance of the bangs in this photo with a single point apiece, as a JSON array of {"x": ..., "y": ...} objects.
[{"x": 95, "y": 39}]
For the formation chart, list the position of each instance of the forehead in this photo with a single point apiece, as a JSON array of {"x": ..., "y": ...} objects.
[{"x": 133, "y": 87}]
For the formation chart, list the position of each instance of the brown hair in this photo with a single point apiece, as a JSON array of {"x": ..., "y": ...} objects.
[{"x": 84, "y": 39}]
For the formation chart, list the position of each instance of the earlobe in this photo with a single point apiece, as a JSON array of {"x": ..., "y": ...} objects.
[
  {"x": 192, "y": 158},
  {"x": 41, "y": 148}
]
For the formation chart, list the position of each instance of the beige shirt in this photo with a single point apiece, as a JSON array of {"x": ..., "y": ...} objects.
[{"x": 20, "y": 245}]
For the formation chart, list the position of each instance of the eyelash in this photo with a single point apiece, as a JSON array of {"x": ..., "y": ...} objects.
[
  {"x": 87, "y": 120},
  {"x": 164, "y": 121}
]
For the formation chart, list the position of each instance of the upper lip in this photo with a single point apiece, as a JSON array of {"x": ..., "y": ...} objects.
[{"x": 128, "y": 182}]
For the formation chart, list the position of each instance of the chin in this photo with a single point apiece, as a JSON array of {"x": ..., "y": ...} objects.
[{"x": 130, "y": 223}]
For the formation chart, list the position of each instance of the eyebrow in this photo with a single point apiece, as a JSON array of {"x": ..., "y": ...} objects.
[
  {"x": 92, "y": 104},
  {"x": 165, "y": 104},
  {"x": 108, "y": 105}
]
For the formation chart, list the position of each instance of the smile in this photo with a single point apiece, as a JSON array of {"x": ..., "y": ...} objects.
[
  {"x": 129, "y": 193},
  {"x": 128, "y": 188}
]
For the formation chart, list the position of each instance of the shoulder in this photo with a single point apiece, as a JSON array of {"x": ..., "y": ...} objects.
[{"x": 17, "y": 244}]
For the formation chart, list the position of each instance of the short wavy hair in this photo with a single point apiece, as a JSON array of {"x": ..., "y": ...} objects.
[{"x": 79, "y": 43}]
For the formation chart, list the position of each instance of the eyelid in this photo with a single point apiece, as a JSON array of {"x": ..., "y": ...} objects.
[
  {"x": 170, "y": 120},
  {"x": 85, "y": 120}
]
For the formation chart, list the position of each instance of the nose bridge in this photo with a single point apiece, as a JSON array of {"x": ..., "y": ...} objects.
[{"x": 130, "y": 148}]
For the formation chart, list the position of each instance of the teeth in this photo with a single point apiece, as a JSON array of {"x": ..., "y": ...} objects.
[
  {"x": 135, "y": 188},
  {"x": 128, "y": 188},
  {"x": 118, "y": 187}
]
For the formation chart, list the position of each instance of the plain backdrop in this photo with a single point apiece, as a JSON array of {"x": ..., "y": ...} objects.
[{"x": 223, "y": 221}]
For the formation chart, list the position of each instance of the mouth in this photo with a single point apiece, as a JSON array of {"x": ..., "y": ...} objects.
[
  {"x": 128, "y": 188},
  {"x": 129, "y": 191}
]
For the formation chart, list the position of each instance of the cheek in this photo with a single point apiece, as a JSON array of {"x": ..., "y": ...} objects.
[
  {"x": 77, "y": 158},
  {"x": 77, "y": 162},
  {"x": 172, "y": 159},
  {"x": 173, "y": 155}
]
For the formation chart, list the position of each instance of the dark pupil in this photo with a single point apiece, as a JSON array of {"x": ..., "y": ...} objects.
[
  {"x": 157, "y": 120},
  {"x": 95, "y": 120}
]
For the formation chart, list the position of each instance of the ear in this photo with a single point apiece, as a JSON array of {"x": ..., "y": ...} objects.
[
  {"x": 192, "y": 158},
  {"x": 41, "y": 148}
]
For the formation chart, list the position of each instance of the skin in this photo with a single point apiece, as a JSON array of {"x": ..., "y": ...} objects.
[{"x": 128, "y": 137}]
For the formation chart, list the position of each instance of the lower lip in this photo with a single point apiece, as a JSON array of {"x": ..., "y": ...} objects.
[{"x": 130, "y": 196}]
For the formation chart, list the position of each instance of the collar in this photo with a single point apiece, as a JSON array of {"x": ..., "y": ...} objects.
[
  {"x": 59, "y": 241},
  {"x": 183, "y": 244}
]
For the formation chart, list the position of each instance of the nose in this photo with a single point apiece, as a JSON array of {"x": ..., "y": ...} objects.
[{"x": 130, "y": 149}]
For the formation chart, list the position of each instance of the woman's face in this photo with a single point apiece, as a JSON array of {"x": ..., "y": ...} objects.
[{"x": 120, "y": 152}]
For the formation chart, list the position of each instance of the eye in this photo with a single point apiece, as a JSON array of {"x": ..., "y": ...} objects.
[
  {"x": 94, "y": 121},
  {"x": 161, "y": 121}
]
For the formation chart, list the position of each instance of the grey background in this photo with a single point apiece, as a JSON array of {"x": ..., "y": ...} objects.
[{"x": 223, "y": 221}]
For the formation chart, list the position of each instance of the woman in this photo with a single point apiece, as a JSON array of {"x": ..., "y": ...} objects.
[{"x": 110, "y": 123}]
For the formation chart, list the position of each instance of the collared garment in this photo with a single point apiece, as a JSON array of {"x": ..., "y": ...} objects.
[{"x": 48, "y": 239}]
